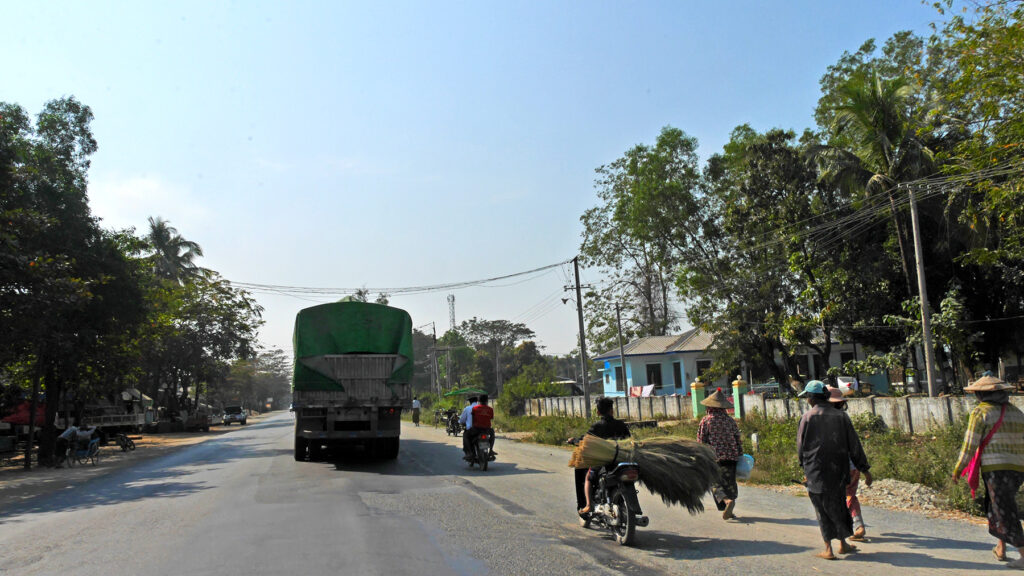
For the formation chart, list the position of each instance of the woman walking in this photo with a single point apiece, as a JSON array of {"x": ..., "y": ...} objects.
[
  {"x": 719, "y": 430},
  {"x": 996, "y": 429},
  {"x": 826, "y": 443},
  {"x": 838, "y": 402}
]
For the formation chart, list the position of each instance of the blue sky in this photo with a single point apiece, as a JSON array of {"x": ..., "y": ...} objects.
[{"x": 396, "y": 144}]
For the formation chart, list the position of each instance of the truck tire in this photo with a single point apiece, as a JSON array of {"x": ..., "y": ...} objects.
[
  {"x": 300, "y": 449},
  {"x": 391, "y": 446}
]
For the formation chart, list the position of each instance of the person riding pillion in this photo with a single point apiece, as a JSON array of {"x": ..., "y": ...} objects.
[{"x": 480, "y": 418}]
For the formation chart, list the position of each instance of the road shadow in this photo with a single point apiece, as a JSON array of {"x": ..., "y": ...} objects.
[
  {"x": 163, "y": 475},
  {"x": 920, "y": 560},
  {"x": 683, "y": 547},
  {"x": 410, "y": 462},
  {"x": 784, "y": 521},
  {"x": 156, "y": 483},
  {"x": 930, "y": 542}
]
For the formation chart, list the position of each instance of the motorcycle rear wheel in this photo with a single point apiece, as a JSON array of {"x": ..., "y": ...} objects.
[{"x": 625, "y": 532}]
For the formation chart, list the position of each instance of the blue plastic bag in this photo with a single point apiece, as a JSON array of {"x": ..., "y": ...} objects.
[{"x": 744, "y": 467}]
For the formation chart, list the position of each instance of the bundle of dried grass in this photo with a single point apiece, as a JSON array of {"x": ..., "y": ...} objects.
[
  {"x": 593, "y": 451},
  {"x": 679, "y": 471}
]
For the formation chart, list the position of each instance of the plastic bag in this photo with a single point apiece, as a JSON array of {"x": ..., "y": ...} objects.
[{"x": 744, "y": 467}]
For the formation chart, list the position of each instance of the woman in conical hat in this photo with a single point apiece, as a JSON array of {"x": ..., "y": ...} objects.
[
  {"x": 719, "y": 430},
  {"x": 1002, "y": 461}
]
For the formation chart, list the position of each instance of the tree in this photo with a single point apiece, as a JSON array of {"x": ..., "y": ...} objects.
[
  {"x": 491, "y": 338},
  {"x": 67, "y": 300},
  {"x": 634, "y": 235},
  {"x": 173, "y": 256}
]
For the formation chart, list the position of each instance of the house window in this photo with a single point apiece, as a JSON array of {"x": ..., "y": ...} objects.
[
  {"x": 677, "y": 374},
  {"x": 607, "y": 379},
  {"x": 845, "y": 357},
  {"x": 802, "y": 366},
  {"x": 702, "y": 367},
  {"x": 654, "y": 375},
  {"x": 819, "y": 367},
  {"x": 620, "y": 380}
]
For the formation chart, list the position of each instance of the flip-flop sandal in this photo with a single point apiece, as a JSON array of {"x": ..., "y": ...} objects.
[
  {"x": 1002, "y": 558},
  {"x": 826, "y": 556}
]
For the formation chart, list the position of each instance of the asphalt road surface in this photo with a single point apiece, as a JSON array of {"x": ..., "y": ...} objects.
[{"x": 240, "y": 504}]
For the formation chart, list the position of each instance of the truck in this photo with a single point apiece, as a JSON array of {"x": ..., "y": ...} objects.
[{"x": 352, "y": 377}]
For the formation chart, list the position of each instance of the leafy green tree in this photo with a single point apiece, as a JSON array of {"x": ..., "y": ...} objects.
[
  {"x": 634, "y": 235},
  {"x": 67, "y": 300}
]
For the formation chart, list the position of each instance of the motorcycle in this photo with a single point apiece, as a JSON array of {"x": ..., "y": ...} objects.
[
  {"x": 615, "y": 505},
  {"x": 481, "y": 449},
  {"x": 454, "y": 427}
]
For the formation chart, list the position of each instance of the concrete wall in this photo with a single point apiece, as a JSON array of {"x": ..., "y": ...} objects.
[{"x": 914, "y": 414}]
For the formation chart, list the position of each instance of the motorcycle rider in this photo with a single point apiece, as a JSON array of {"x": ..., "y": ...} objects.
[
  {"x": 610, "y": 428},
  {"x": 479, "y": 420},
  {"x": 464, "y": 419}
]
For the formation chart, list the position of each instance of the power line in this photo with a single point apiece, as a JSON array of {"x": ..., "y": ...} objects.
[{"x": 313, "y": 291}]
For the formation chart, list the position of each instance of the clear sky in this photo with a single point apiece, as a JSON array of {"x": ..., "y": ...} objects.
[{"x": 397, "y": 144}]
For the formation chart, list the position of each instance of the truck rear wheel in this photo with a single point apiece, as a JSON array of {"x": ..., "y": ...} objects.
[
  {"x": 300, "y": 449},
  {"x": 390, "y": 451}
]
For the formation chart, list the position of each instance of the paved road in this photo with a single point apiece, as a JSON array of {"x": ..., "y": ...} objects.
[{"x": 240, "y": 504}]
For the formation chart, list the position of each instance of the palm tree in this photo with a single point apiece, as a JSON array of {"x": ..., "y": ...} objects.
[
  {"x": 875, "y": 145},
  {"x": 173, "y": 256}
]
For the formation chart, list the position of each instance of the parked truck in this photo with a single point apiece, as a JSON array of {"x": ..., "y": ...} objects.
[{"x": 353, "y": 368}]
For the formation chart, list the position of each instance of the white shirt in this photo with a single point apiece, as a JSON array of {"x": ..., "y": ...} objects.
[
  {"x": 415, "y": 404},
  {"x": 68, "y": 433},
  {"x": 466, "y": 419}
]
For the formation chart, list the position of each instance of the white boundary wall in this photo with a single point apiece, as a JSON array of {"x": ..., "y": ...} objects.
[{"x": 913, "y": 414}]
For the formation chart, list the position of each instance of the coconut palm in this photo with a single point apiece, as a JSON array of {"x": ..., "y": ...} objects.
[
  {"x": 875, "y": 144},
  {"x": 173, "y": 256}
]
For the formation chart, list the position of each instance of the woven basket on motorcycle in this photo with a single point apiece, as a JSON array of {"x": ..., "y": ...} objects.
[{"x": 679, "y": 471}]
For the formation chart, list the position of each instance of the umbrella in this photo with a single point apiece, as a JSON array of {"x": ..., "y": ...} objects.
[
  {"x": 20, "y": 416},
  {"x": 461, "y": 391}
]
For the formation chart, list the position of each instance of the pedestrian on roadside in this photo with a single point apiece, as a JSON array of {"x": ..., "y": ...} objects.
[
  {"x": 826, "y": 443},
  {"x": 416, "y": 410},
  {"x": 995, "y": 430},
  {"x": 718, "y": 430},
  {"x": 838, "y": 401}
]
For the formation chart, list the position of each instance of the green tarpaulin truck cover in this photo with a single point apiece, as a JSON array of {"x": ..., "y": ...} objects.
[{"x": 351, "y": 328}]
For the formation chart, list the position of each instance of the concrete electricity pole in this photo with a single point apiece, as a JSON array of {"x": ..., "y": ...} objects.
[
  {"x": 583, "y": 339},
  {"x": 922, "y": 289}
]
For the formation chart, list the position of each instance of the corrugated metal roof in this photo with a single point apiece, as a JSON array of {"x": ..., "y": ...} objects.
[
  {"x": 694, "y": 341},
  {"x": 690, "y": 341}
]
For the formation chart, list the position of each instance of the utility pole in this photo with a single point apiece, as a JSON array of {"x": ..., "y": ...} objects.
[
  {"x": 583, "y": 339},
  {"x": 922, "y": 289},
  {"x": 497, "y": 367},
  {"x": 622, "y": 355},
  {"x": 433, "y": 363}
]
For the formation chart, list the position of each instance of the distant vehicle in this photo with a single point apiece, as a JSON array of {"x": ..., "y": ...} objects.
[
  {"x": 234, "y": 414},
  {"x": 353, "y": 366}
]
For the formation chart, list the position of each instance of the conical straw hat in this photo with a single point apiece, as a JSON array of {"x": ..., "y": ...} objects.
[
  {"x": 716, "y": 400},
  {"x": 988, "y": 384}
]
